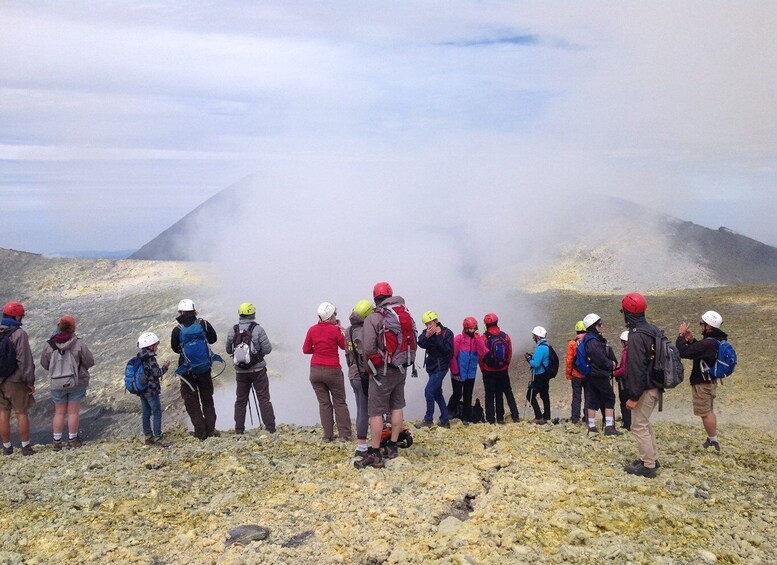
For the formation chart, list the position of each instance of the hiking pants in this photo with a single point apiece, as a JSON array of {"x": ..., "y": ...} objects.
[
  {"x": 433, "y": 393},
  {"x": 541, "y": 387},
  {"x": 625, "y": 412},
  {"x": 460, "y": 388},
  {"x": 199, "y": 403},
  {"x": 578, "y": 388},
  {"x": 151, "y": 417},
  {"x": 506, "y": 389},
  {"x": 261, "y": 384},
  {"x": 329, "y": 386},
  {"x": 642, "y": 429},
  {"x": 362, "y": 420},
  {"x": 497, "y": 384}
]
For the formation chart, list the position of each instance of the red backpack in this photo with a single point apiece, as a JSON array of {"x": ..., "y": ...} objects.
[{"x": 397, "y": 336}]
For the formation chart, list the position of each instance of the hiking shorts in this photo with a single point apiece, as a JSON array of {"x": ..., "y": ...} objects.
[
  {"x": 703, "y": 395},
  {"x": 16, "y": 397},
  {"x": 390, "y": 395},
  {"x": 598, "y": 393},
  {"x": 67, "y": 396}
]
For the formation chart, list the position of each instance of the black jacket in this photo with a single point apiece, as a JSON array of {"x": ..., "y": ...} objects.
[
  {"x": 187, "y": 319},
  {"x": 598, "y": 360},
  {"x": 439, "y": 350},
  {"x": 701, "y": 350},
  {"x": 639, "y": 363}
]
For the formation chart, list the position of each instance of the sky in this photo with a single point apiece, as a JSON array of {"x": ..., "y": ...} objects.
[{"x": 118, "y": 118}]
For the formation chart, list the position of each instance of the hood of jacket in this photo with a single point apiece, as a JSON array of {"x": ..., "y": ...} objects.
[{"x": 356, "y": 319}]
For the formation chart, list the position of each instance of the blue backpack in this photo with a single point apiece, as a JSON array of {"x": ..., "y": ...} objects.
[
  {"x": 195, "y": 350},
  {"x": 496, "y": 358},
  {"x": 725, "y": 362},
  {"x": 135, "y": 379},
  {"x": 581, "y": 356}
]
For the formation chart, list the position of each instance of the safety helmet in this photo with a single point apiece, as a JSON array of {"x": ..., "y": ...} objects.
[
  {"x": 13, "y": 309},
  {"x": 539, "y": 331},
  {"x": 429, "y": 316},
  {"x": 580, "y": 326},
  {"x": 246, "y": 309},
  {"x": 382, "y": 289},
  {"x": 590, "y": 320},
  {"x": 625, "y": 335},
  {"x": 470, "y": 323},
  {"x": 326, "y": 310},
  {"x": 634, "y": 303},
  {"x": 363, "y": 308},
  {"x": 147, "y": 339},
  {"x": 712, "y": 318},
  {"x": 490, "y": 318},
  {"x": 186, "y": 305}
]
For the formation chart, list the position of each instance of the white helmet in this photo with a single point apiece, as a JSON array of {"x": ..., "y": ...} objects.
[
  {"x": 539, "y": 331},
  {"x": 186, "y": 305},
  {"x": 326, "y": 310},
  {"x": 590, "y": 320},
  {"x": 625, "y": 335},
  {"x": 147, "y": 339},
  {"x": 712, "y": 318}
]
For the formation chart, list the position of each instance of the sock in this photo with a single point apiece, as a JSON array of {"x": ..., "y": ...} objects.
[
  {"x": 25, "y": 443},
  {"x": 58, "y": 436},
  {"x": 713, "y": 438},
  {"x": 72, "y": 436},
  {"x": 362, "y": 447},
  {"x": 7, "y": 445},
  {"x": 609, "y": 421},
  {"x": 591, "y": 422}
]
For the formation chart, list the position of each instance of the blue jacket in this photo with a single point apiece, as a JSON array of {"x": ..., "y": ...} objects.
[
  {"x": 439, "y": 350},
  {"x": 541, "y": 359}
]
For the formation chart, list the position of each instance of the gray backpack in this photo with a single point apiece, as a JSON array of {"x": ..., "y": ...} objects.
[{"x": 63, "y": 369}]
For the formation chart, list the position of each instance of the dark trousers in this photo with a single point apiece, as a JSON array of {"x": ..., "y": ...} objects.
[
  {"x": 625, "y": 412},
  {"x": 497, "y": 385},
  {"x": 540, "y": 385},
  {"x": 578, "y": 387},
  {"x": 461, "y": 388},
  {"x": 261, "y": 384},
  {"x": 199, "y": 403}
]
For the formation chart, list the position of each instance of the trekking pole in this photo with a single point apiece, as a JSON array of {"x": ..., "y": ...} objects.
[
  {"x": 531, "y": 391},
  {"x": 250, "y": 411},
  {"x": 256, "y": 399}
]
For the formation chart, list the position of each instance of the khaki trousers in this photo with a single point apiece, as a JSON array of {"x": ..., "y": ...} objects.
[
  {"x": 642, "y": 429},
  {"x": 329, "y": 385}
]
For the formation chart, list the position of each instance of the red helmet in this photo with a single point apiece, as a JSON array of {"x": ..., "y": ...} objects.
[
  {"x": 490, "y": 318},
  {"x": 634, "y": 303},
  {"x": 470, "y": 323},
  {"x": 13, "y": 309},
  {"x": 382, "y": 289}
]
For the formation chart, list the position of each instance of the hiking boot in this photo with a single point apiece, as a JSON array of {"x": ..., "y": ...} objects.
[
  {"x": 239, "y": 431},
  {"x": 640, "y": 462},
  {"x": 8, "y": 450},
  {"x": 500, "y": 422},
  {"x": 391, "y": 451},
  {"x": 214, "y": 433},
  {"x": 74, "y": 443},
  {"x": 611, "y": 431},
  {"x": 711, "y": 443},
  {"x": 516, "y": 418},
  {"x": 372, "y": 458},
  {"x": 157, "y": 442},
  {"x": 28, "y": 450},
  {"x": 640, "y": 470},
  {"x": 57, "y": 445},
  {"x": 592, "y": 430},
  {"x": 444, "y": 424},
  {"x": 360, "y": 452},
  {"x": 538, "y": 421},
  {"x": 424, "y": 424},
  {"x": 149, "y": 440}
]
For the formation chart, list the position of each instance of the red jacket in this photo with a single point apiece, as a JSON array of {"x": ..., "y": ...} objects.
[
  {"x": 494, "y": 330},
  {"x": 323, "y": 341}
]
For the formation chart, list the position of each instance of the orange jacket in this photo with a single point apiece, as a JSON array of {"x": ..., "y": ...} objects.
[{"x": 571, "y": 354}]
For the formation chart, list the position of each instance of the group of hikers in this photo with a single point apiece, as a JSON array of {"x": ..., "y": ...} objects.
[{"x": 380, "y": 344}]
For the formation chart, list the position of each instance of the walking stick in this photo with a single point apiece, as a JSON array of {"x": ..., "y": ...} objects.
[
  {"x": 531, "y": 391},
  {"x": 250, "y": 411},
  {"x": 256, "y": 399}
]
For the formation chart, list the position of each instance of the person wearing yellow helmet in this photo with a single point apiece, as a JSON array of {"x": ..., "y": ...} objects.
[
  {"x": 437, "y": 340},
  {"x": 248, "y": 344},
  {"x": 358, "y": 374},
  {"x": 573, "y": 375}
]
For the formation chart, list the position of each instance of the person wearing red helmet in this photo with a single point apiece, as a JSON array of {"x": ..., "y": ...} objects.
[
  {"x": 468, "y": 348},
  {"x": 17, "y": 377},
  {"x": 494, "y": 365}
]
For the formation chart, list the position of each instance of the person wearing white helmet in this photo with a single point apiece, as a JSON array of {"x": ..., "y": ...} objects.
[
  {"x": 703, "y": 352},
  {"x": 323, "y": 343},
  {"x": 192, "y": 335},
  {"x": 151, "y": 416},
  {"x": 597, "y": 366},
  {"x": 540, "y": 382},
  {"x": 619, "y": 373}
]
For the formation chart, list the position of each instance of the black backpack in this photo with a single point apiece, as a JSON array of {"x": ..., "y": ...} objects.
[
  {"x": 552, "y": 369},
  {"x": 8, "y": 364},
  {"x": 477, "y": 415}
]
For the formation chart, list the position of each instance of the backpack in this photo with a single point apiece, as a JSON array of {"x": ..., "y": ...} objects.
[
  {"x": 397, "y": 336},
  {"x": 498, "y": 349},
  {"x": 477, "y": 415},
  {"x": 244, "y": 354},
  {"x": 195, "y": 349},
  {"x": 63, "y": 369},
  {"x": 8, "y": 363},
  {"x": 552, "y": 369},
  {"x": 581, "y": 356},
  {"x": 668, "y": 371},
  {"x": 135, "y": 379},
  {"x": 725, "y": 361}
]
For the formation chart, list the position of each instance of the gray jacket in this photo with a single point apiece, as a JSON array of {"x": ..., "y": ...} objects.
[
  {"x": 370, "y": 334},
  {"x": 82, "y": 355},
  {"x": 258, "y": 337}
]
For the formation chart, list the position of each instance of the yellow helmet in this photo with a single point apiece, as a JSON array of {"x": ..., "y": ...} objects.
[
  {"x": 363, "y": 308},
  {"x": 580, "y": 326},
  {"x": 429, "y": 316},
  {"x": 246, "y": 309}
]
